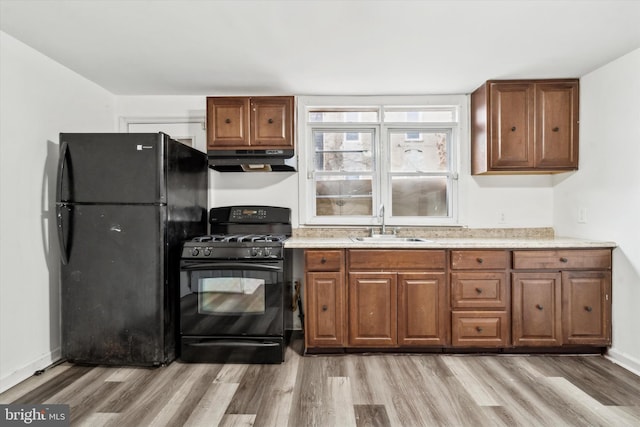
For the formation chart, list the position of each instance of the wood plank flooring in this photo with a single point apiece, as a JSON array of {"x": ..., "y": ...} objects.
[{"x": 347, "y": 390}]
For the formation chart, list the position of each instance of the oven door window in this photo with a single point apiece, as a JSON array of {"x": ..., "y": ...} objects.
[
  {"x": 232, "y": 299},
  {"x": 231, "y": 295}
]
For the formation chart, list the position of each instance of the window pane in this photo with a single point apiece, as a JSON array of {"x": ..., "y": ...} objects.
[
  {"x": 343, "y": 195},
  {"x": 336, "y": 116},
  {"x": 431, "y": 115},
  {"x": 343, "y": 151},
  {"x": 419, "y": 196},
  {"x": 415, "y": 151}
]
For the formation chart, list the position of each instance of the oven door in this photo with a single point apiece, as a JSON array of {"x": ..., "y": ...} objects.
[{"x": 232, "y": 298}]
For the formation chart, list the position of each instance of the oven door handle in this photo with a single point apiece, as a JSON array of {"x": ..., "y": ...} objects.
[{"x": 231, "y": 265}]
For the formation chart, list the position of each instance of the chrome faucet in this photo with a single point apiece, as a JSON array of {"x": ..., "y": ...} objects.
[{"x": 381, "y": 215}]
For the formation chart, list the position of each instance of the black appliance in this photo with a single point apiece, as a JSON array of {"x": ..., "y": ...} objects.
[
  {"x": 281, "y": 160},
  {"x": 125, "y": 203},
  {"x": 233, "y": 287}
]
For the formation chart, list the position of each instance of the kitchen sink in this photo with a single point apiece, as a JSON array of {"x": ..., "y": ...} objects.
[{"x": 389, "y": 238}]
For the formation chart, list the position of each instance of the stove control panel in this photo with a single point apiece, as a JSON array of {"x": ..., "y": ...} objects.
[{"x": 254, "y": 252}]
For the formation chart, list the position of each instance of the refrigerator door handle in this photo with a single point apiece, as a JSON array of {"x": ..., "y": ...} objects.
[
  {"x": 61, "y": 234},
  {"x": 64, "y": 148}
]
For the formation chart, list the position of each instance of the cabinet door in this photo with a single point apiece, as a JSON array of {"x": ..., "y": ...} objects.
[
  {"x": 557, "y": 125},
  {"x": 512, "y": 129},
  {"x": 372, "y": 309},
  {"x": 271, "y": 122},
  {"x": 422, "y": 309},
  {"x": 227, "y": 122},
  {"x": 586, "y": 307},
  {"x": 324, "y": 304},
  {"x": 536, "y": 311}
]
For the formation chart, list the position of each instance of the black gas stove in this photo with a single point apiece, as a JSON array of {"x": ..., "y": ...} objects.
[{"x": 234, "y": 285}]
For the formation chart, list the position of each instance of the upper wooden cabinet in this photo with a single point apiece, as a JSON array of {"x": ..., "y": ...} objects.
[
  {"x": 244, "y": 123},
  {"x": 524, "y": 126}
]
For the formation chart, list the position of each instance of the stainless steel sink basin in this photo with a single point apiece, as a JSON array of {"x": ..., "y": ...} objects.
[{"x": 389, "y": 238}]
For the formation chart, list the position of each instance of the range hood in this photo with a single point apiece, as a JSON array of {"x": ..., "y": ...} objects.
[{"x": 252, "y": 160}]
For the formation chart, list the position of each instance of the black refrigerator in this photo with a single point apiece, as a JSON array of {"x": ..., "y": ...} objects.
[{"x": 125, "y": 202}]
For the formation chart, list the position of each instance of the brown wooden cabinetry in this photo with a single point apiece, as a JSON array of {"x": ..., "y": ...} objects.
[
  {"x": 489, "y": 298},
  {"x": 325, "y": 297},
  {"x": 479, "y": 298},
  {"x": 563, "y": 298},
  {"x": 396, "y": 299},
  {"x": 250, "y": 123},
  {"x": 525, "y": 126}
]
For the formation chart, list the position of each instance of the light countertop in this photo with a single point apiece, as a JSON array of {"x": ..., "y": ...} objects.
[{"x": 449, "y": 243}]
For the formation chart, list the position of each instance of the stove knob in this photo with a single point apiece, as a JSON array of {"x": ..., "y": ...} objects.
[
  {"x": 257, "y": 252},
  {"x": 195, "y": 252},
  {"x": 267, "y": 252},
  {"x": 207, "y": 252}
]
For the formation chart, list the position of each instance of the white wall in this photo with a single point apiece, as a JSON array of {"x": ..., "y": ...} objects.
[
  {"x": 608, "y": 187},
  {"x": 39, "y": 99},
  {"x": 523, "y": 201}
]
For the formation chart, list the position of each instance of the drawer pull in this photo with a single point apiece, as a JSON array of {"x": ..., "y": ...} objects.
[
  {"x": 513, "y": 128},
  {"x": 478, "y": 328},
  {"x": 563, "y": 259},
  {"x": 270, "y": 121},
  {"x": 479, "y": 290},
  {"x": 323, "y": 260},
  {"x": 589, "y": 308},
  {"x": 227, "y": 121},
  {"x": 480, "y": 260},
  {"x": 325, "y": 308},
  {"x": 555, "y": 129},
  {"x": 539, "y": 307}
]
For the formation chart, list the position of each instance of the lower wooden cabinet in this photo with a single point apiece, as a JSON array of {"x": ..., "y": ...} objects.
[
  {"x": 480, "y": 328},
  {"x": 372, "y": 309},
  {"x": 423, "y": 312},
  {"x": 374, "y": 298},
  {"x": 566, "y": 301},
  {"x": 586, "y": 307},
  {"x": 536, "y": 305},
  {"x": 325, "y": 310}
]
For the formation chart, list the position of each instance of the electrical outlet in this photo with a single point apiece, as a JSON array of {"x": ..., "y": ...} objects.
[
  {"x": 582, "y": 215},
  {"x": 501, "y": 218}
]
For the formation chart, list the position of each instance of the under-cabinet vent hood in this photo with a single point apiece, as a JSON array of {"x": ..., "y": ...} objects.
[{"x": 252, "y": 160}]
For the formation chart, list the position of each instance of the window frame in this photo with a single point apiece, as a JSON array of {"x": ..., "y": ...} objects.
[{"x": 382, "y": 175}]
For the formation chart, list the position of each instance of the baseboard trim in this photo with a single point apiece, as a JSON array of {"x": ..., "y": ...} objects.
[
  {"x": 629, "y": 363},
  {"x": 28, "y": 370}
]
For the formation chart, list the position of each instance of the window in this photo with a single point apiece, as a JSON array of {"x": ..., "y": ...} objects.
[{"x": 359, "y": 154}]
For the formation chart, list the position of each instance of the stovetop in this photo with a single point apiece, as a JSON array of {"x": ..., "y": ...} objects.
[
  {"x": 242, "y": 232},
  {"x": 214, "y": 239}
]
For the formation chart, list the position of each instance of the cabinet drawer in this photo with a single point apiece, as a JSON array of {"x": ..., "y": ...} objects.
[
  {"x": 563, "y": 259},
  {"x": 396, "y": 259},
  {"x": 330, "y": 260},
  {"x": 479, "y": 329},
  {"x": 479, "y": 290},
  {"x": 479, "y": 260}
]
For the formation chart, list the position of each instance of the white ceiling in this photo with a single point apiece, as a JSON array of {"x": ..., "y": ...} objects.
[{"x": 305, "y": 47}]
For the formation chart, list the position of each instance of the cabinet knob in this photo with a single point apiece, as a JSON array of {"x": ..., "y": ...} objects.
[
  {"x": 513, "y": 128},
  {"x": 480, "y": 260},
  {"x": 589, "y": 308},
  {"x": 270, "y": 120},
  {"x": 555, "y": 129},
  {"x": 563, "y": 259},
  {"x": 539, "y": 307},
  {"x": 323, "y": 260},
  {"x": 325, "y": 308},
  {"x": 478, "y": 328},
  {"x": 479, "y": 290},
  {"x": 227, "y": 121}
]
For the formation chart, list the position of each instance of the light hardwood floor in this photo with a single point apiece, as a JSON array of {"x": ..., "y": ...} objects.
[{"x": 347, "y": 390}]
